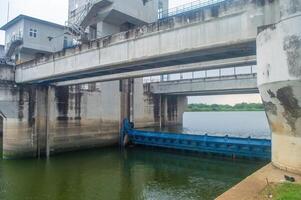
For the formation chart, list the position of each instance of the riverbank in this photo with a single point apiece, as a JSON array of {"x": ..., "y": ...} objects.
[
  {"x": 291, "y": 191},
  {"x": 225, "y": 107},
  {"x": 254, "y": 186}
]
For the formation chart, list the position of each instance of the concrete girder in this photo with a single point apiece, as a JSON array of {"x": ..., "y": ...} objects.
[
  {"x": 239, "y": 84},
  {"x": 223, "y": 63}
]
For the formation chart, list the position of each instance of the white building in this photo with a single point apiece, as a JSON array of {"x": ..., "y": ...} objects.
[
  {"x": 98, "y": 18},
  {"x": 27, "y": 37}
]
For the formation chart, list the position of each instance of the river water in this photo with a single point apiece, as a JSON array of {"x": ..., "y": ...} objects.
[
  {"x": 132, "y": 174},
  {"x": 237, "y": 124}
]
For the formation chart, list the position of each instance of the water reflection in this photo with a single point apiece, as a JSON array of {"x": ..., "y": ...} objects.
[{"x": 136, "y": 173}]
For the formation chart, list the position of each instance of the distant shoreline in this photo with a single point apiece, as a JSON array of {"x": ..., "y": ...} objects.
[
  {"x": 247, "y": 107},
  {"x": 224, "y": 111}
]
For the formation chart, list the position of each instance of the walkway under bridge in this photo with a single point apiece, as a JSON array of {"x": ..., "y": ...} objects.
[{"x": 216, "y": 85}]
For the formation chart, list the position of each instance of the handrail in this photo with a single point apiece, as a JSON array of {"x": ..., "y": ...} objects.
[
  {"x": 166, "y": 77},
  {"x": 14, "y": 40},
  {"x": 187, "y": 7}
]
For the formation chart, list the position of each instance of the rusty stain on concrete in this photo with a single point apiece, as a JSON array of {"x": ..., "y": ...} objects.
[
  {"x": 272, "y": 94},
  {"x": 270, "y": 107},
  {"x": 277, "y": 127},
  {"x": 62, "y": 99},
  {"x": 21, "y": 104},
  {"x": 292, "y": 46},
  {"x": 292, "y": 109},
  {"x": 31, "y": 107}
]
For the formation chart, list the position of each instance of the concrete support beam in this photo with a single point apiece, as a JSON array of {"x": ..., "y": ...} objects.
[
  {"x": 239, "y": 84},
  {"x": 223, "y": 63}
]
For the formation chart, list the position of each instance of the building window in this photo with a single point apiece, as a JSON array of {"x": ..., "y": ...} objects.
[{"x": 33, "y": 32}]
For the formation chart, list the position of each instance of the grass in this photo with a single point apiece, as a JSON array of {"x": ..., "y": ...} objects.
[{"x": 283, "y": 191}]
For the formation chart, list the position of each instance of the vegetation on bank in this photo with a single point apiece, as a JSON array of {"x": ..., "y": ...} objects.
[
  {"x": 284, "y": 191},
  {"x": 219, "y": 107}
]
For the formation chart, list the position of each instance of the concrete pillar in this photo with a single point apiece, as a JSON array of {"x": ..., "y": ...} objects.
[
  {"x": 25, "y": 115},
  {"x": 279, "y": 80},
  {"x": 164, "y": 110},
  {"x": 41, "y": 121}
]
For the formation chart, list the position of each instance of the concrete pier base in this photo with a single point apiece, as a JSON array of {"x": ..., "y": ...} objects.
[
  {"x": 39, "y": 121},
  {"x": 279, "y": 80},
  {"x": 282, "y": 102}
]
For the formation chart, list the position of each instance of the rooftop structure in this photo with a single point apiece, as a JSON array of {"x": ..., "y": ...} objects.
[
  {"x": 98, "y": 18},
  {"x": 27, "y": 38}
]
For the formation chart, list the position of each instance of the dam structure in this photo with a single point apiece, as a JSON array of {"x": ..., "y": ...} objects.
[{"x": 78, "y": 97}]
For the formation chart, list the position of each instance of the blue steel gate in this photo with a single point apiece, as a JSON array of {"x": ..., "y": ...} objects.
[{"x": 232, "y": 146}]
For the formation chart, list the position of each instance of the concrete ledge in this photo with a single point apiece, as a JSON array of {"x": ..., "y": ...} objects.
[
  {"x": 12, "y": 155},
  {"x": 250, "y": 188}
]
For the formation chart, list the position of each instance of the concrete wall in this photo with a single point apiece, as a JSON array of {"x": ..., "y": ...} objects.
[
  {"x": 147, "y": 12},
  {"x": 17, "y": 109},
  {"x": 145, "y": 105},
  {"x": 40, "y": 119},
  {"x": 1, "y": 129},
  {"x": 151, "y": 110},
  {"x": 134, "y": 9},
  {"x": 174, "y": 107},
  {"x": 44, "y": 120},
  {"x": 84, "y": 116},
  {"x": 105, "y": 29},
  {"x": 16, "y": 29},
  {"x": 41, "y": 43}
]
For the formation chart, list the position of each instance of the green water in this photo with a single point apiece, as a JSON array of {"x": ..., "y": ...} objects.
[{"x": 110, "y": 174}]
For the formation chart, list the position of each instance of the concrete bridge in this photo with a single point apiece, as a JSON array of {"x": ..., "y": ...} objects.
[
  {"x": 49, "y": 117},
  {"x": 227, "y": 30},
  {"x": 232, "y": 84}
]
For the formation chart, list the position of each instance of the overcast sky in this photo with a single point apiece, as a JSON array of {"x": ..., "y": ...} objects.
[
  {"x": 57, "y": 11},
  {"x": 50, "y": 10}
]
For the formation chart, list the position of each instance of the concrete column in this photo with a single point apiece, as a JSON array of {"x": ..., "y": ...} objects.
[
  {"x": 164, "y": 110},
  {"x": 279, "y": 80},
  {"x": 41, "y": 118},
  {"x": 25, "y": 122}
]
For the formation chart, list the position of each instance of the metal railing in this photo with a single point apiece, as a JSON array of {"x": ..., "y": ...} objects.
[
  {"x": 211, "y": 73},
  {"x": 15, "y": 41},
  {"x": 80, "y": 13},
  {"x": 187, "y": 7},
  {"x": 74, "y": 24}
]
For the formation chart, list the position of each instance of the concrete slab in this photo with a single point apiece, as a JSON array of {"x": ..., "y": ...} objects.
[{"x": 250, "y": 188}]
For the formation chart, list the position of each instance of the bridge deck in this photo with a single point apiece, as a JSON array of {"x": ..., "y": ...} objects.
[{"x": 233, "y": 146}]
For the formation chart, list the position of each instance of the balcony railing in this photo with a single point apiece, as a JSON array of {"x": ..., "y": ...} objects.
[
  {"x": 187, "y": 7},
  {"x": 203, "y": 74}
]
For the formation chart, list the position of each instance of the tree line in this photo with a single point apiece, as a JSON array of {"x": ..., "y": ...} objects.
[{"x": 224, "y": 107}]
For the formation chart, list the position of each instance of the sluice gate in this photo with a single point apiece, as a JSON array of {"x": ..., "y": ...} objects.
[{"x": 225, "y": 145}]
